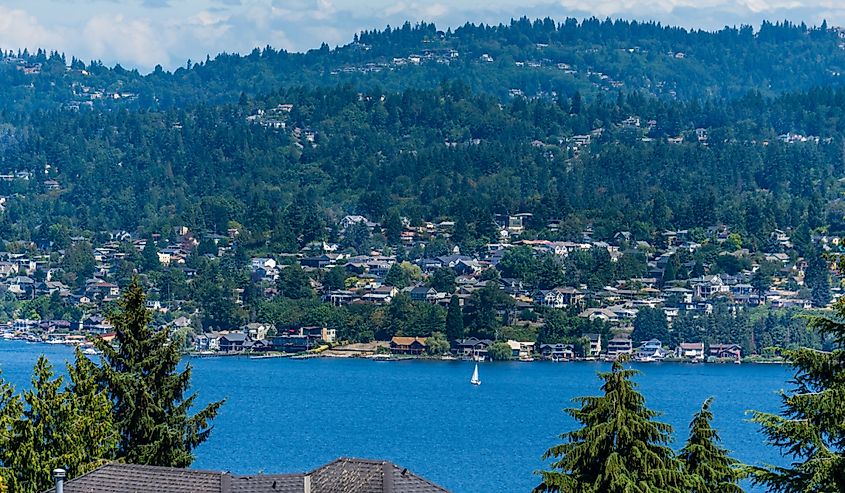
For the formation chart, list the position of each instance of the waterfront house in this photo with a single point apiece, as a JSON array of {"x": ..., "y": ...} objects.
[
  {"x": 407, "y": 345},
  {"x": 233, "y": 342},
  {"x": 342, "y": 475},
  {"x": 257, "y": 330},
  {"x": 258, "y": 346},
  {"x": 558, "y": 352},
  {"x": 471, "y": 348},
  {"x": 521, "y": 349},
  {"x": 619, "y": 345},
  {"x": 595, "y": 344},
  {"x": 651, "y": 350},
  {"x": 202, "y": 342},
  {"x": 300, "y": 339},
  {"x": 732, "y": 351},
  {"x": 692, "y": 351}
]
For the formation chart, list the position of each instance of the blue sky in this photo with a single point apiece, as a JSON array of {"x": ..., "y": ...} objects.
[{"x": 143, "y": 33}]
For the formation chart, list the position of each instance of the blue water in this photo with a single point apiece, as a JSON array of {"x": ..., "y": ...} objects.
[{"x": 286, "y": 415}]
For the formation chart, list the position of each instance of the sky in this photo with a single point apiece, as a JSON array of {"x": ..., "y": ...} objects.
[{"x": 144, "y": 33}]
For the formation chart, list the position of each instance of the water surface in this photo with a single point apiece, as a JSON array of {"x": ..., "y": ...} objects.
[{"x": 285, "y": 415}]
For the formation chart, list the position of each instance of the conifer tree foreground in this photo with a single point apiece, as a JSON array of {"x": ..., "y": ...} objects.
[
  {"x": 811, "y": 425},
  {"x": 53, "y": 426},
  {"x": 619, "y": 448},
  {"x": 707, "y": 465},
  {"x": 148, "y": 392}
]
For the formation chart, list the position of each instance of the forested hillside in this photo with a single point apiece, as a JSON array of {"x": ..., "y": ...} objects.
[
  {"x": 618, "y": 155},
  {"x": 284, "y": 176},
  {"x": 535, "y": 58}
]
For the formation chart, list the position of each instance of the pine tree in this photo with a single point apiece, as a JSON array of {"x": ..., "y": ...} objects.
[
  {"x": 149, "y": 256},
  {"x": 10, "y": 410},
  {"x": 811, "y": 425},
  {"x": 94, "y": 426},
  {"x": 619, "y": 448},
  {"x": 41, "y": 437},
  {"x": 294, "y": 283},
  {"x": 454, "y": 320},
  {"x": 708, "y": 467},
  {"x": 397, "y": 277},
  {"x": 147, "y": 390}
]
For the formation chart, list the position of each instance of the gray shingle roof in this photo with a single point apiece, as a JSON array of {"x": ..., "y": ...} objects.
[{"x": 343, "y": 475}]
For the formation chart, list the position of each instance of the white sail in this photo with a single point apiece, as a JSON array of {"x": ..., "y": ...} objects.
[{"x": 475, "y": 380}]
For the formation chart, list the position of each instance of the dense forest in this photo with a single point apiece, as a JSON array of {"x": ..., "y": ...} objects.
[
  {"x": 536, "y": 58},
  {"x": 426, "y": 155}
]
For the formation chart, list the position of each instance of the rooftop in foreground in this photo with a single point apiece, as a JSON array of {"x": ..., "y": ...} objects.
[{"x": 344, "y": 475}]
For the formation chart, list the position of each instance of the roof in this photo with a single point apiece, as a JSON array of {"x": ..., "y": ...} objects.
[
  {"x": 344, "y": 474},
  {"x": 407, "y": 341},
  {"x": 371, "y": 476}
]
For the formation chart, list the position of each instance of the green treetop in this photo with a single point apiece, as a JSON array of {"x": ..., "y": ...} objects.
[
  {"x": 454, "y": 320},
  {"x": 147, "y": 390},
  {"x": 619, "y": 447},
  {"x": 294, "y": 283},
  {"x": 811, "y": 426},
  {"x": 708, "y": 466},
  {"x": 55, "y": 427}
]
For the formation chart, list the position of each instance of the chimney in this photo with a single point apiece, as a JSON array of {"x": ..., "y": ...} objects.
[{"x": 59, "y": 476}]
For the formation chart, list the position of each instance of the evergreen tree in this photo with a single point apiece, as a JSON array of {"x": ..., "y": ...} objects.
[
  {"x": 818, "y": 279},
  {"x": 393, "y": 228},
  {"x": 43, "y": 436},
  {"x": 708, "y": 466},
  {"x": 454, "y": 320},
  {"x": 149, "y": 256},
  {"x": 651, "y": 323},
  {"x": 147, "y": 390},
  {"x": 618, "y": 449},
  {"x": 397, "y": 277},
  {"x": 811, "y": 426},
  {"x": 335, "y": 278},
  {"x": 294, "y": 283},
  {"x": 94, "y": 426},
  {"x": 10, "y": 410},
  {"x": 670, "y": 272},
  {"x": 443, "y": 280}
]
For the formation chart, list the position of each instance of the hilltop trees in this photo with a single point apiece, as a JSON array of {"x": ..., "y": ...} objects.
[
  {"x": 619, "y": 447},
  {"x": 708, "y": 466},
  {"x": 141, "y": 376},
  {"x": 811, "y": 426}
]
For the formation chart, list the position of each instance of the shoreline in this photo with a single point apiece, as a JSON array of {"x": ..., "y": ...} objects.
[{"x": 392, "y": 358}]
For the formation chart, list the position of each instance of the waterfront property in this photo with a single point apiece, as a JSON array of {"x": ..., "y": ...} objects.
[
  {"x": 408, "y": 345},
  {"x": 341, "y": 475}
]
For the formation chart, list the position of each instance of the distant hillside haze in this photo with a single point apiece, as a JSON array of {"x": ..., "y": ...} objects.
[{"x": 531, "y": 58}]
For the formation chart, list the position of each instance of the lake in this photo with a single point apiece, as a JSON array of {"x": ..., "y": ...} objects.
[{"x": 285, "y": 415}]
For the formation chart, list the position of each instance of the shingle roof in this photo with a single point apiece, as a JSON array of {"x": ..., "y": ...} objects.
[
  {"x": 344, "y": 475},
  {"x": 130, "y": 478}
]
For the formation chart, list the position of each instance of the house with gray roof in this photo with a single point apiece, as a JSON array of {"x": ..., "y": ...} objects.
[{"x": 344, "y": 474}]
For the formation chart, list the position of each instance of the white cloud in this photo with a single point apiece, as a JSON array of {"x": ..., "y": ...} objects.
[
  {"x": 138, "y": 41},
  {"x": 19, "y": 29}
]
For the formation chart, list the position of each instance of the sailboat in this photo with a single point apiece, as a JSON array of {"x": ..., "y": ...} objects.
[{"x": 475, "y": 380}]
